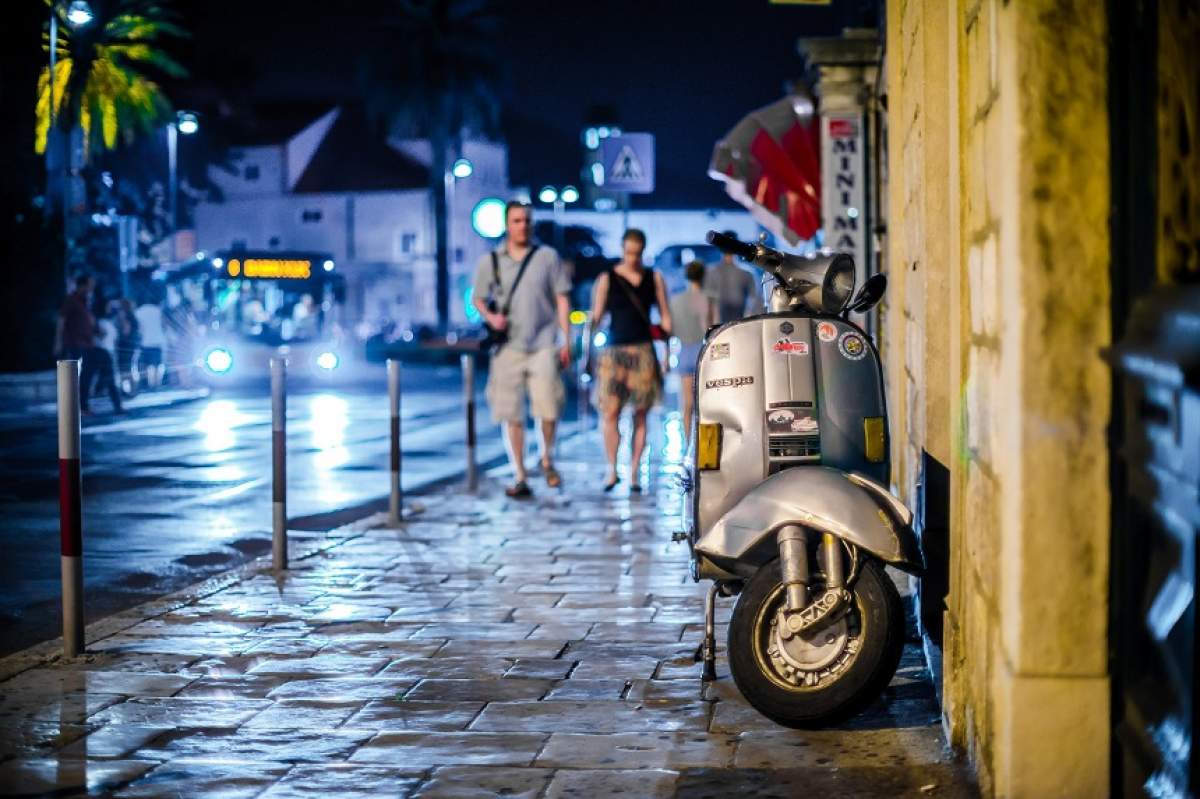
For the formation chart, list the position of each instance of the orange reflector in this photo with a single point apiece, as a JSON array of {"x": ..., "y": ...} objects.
[
  {"x": 708, "y": 446},
  {"x": 874, "y": 439}
]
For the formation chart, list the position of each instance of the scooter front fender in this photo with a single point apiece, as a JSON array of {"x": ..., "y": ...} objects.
[{"x": 851, "y": 506}]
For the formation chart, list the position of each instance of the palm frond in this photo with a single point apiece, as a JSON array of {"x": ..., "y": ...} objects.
[{"x": 103, "y": 82}]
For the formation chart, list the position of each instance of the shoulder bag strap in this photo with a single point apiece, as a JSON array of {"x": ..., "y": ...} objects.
[{"x": 517, "y": 281}]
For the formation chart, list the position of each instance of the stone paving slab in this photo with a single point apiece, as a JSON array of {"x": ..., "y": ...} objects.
[{"x": 490, "y": 647}]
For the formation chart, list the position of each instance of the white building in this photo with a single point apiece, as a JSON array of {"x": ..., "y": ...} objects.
[{"x": 336, "y": 187}]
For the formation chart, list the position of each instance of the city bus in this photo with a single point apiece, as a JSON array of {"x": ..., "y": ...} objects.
[{"x": 242, "y": 308}]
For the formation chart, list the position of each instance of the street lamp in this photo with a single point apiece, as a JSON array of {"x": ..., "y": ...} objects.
[
  {"x": 187, "y": 123},
  {"x": 79, "y": 14},
  {"x": 460, "y": 169},
  {"x": 560, "y": 198}
]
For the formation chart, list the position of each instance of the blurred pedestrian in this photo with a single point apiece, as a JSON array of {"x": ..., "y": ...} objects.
[
  {"x": 734, "y": 290},
  {"x": 149, "y": 317},
  {"x": 128, "y": 339},
  {"x": 628, "y": 371},
  {"x": 75, "y": 338},
  {"x": 692, "y": 313},
  {"x": 530, "y": 283},
  {"x": 100, "y": 361},
  {"x": 75, "y": 330}
]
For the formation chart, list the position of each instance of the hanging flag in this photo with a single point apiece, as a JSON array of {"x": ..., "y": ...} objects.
[{"x": 769, "y": 163}]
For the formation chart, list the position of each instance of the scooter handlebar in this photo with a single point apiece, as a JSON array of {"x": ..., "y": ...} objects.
[{"x": 732, "y": 245}]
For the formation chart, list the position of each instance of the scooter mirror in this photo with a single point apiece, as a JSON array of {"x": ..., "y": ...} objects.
[{"x": 871, "y": 293}]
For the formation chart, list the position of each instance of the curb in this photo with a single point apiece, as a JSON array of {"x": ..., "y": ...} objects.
[{"x": 51, "y": 651}]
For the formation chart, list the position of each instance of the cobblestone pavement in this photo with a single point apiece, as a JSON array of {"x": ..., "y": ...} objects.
[{"x": 491, "y": 647}]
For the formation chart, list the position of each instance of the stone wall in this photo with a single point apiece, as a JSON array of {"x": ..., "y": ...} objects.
[{"x": 998, "y": 256}]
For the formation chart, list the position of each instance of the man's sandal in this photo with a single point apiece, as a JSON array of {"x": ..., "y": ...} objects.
[
  {"x": 553, "y": 478},
  {"x": 518, "y": 490}
]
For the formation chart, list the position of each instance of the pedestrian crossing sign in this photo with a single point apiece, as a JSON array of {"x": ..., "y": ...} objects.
[{"x": 629, "y": 163}]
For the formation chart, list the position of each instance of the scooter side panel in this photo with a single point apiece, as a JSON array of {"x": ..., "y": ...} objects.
[
  {"x": 818, "y": 498},
  {"x": 730, "y": 384},
  {"x": 851, "y": 391}
]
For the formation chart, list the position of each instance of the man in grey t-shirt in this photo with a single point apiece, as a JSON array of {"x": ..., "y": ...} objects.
[
  {"x": 734, "y": 290},
  {"x": 531, "y": 361}
]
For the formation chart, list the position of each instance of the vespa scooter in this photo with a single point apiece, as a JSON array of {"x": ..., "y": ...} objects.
[{"x": 785, "y": 501}]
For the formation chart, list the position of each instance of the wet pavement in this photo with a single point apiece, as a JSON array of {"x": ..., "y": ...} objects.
[
  {"x": 489, "y": 647},
  {"x": 179, "y": 489}
]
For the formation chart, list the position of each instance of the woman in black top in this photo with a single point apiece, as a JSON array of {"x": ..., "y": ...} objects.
[{"x": 628, "y": 369}]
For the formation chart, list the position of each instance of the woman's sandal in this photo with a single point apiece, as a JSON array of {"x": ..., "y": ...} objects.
[
  {"x": 635, "y": 488},
  {"x": 518, "y": 490},
  {"x": 553, "y": 478},
  {"x": 610, "y": 486}
]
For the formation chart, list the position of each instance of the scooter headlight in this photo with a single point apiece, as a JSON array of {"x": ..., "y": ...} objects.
[
  {"x": 838, "y": 286},
  {"x": 328, "y": 361},
  {"x": 218, "y": 360}
]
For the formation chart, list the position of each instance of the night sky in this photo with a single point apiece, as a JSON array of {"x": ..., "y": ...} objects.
[{"x": 685, "y": 71}]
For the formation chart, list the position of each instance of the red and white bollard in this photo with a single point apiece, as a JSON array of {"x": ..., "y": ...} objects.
[
  {"x": 279, "y": 554},
  {"x": 70, "y": 507},
  {"x": 396, "y": 501}
]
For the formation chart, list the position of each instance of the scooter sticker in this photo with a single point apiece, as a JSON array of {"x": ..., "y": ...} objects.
[
  {"x": 852, "y": 347},
  {"x": 730, "y": 382},
  {"x": 719, "y": 351},
  {"x": 786, "y": 328},
  {"x": 785, "y": 421},
  {"x": 826, "y": 331},
  {"x": 788, "y": 347}
]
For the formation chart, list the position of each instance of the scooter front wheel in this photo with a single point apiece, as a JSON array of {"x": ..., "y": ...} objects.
[{"x": 811, "y": 680}]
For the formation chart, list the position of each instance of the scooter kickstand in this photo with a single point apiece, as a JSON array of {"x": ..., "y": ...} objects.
[{"x": 710, "y": 635}]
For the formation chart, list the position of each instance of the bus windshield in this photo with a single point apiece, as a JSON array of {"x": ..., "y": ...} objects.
[{"x": 257, "y": 299}]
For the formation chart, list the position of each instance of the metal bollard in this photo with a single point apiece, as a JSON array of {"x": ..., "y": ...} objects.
[
  {"x": 396, "y": 504},
  {"x": 279, "y": 463},
  {"x": 70, "y": 507},
  {"x": 468, "y": 371}
]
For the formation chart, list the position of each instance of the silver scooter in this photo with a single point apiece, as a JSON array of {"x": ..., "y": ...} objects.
[{"x": 785, "y": 498}]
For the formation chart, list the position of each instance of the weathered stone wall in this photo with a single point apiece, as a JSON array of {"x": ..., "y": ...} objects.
[
  {"x": 1178, "y": 142},
  {"x": 998, "y": 257}
]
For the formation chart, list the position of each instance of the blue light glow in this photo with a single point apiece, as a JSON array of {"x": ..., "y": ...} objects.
[{"x": 218, "y": 360}]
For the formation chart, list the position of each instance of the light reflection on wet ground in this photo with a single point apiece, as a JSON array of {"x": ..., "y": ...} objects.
[
  {"x": 175, "y": 493},
  {"x": 543, "y": 648}
]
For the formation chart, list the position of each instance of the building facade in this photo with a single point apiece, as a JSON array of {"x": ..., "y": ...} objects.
[{"x": 337, "y": 187}]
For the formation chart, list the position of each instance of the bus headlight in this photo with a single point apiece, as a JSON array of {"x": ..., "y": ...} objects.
[
  {"x": 328, "y": 361},
  {"x": 218, "y": 360}
]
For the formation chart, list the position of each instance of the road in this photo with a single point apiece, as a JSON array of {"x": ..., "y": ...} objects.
[{"x": 174, "y": 494}]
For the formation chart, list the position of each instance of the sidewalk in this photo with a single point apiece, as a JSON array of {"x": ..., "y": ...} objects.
[
  {"x": 18, "y": 409},
  {"x": 490, "y": 647}
]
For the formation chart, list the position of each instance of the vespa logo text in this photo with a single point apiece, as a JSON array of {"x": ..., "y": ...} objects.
[{"x": 730, "y": 382}]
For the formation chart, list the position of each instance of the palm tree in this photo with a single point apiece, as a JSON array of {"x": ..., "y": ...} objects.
[
  {"x": 103, "y": 77},
  {"x": 436, "y": 74}
]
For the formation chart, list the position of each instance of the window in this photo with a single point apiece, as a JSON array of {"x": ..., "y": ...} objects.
[
  {"x": 311, "y": 216},
  {"x": 251, "y": 172}
]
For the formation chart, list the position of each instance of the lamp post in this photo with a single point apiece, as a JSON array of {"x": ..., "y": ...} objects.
[
  {"x": 187, "y": 123},
  {"x": 79, "y": 14},
  {"x": 461, "y": 169}
]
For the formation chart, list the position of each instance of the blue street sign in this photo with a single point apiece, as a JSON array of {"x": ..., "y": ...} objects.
[{"x": 629, "y": 163}]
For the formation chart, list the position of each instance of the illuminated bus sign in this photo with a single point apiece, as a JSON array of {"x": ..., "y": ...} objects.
[{"x": 270, "y": 268}]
